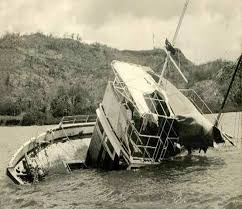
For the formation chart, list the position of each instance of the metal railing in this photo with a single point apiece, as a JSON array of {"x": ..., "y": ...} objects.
[
  {"x": 198, "y": 102},
  {"x": 150, "y": 147},
  {"x": 78, "y": 119},
  {"x": 141, "y": 143}
]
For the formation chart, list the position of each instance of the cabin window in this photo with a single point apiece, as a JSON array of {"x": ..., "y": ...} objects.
[{"x": 157, "y": 104}]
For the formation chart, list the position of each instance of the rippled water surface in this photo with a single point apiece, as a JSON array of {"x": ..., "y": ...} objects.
[{"x": 211, "y": 180}]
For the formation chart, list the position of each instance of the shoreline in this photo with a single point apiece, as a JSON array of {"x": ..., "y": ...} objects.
[{"x": 16, "y": 121}]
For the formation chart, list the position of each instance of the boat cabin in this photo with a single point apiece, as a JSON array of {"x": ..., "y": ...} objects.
[{"x": 135, "y": 125}]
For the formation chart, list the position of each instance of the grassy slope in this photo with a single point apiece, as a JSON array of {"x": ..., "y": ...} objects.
[{"x": 48, "y": 77}]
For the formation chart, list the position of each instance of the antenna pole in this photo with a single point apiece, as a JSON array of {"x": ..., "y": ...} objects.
[{"x": 227, "y": 93}]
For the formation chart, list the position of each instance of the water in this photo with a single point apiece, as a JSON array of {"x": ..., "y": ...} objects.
[{"x": 211, "y": 180}]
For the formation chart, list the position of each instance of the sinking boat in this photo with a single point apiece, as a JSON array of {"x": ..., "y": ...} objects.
[
  {"x": 142, "y": 120},
  {"x": 138, "y": 123}
]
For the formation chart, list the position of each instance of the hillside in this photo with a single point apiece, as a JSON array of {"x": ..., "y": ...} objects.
[{"x": 44, "y": 78}]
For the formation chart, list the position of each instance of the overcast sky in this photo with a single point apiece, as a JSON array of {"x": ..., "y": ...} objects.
[{"x": 211, "y": 29}]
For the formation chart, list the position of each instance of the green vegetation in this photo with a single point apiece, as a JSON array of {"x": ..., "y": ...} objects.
[{"x": 44, "y": 78}]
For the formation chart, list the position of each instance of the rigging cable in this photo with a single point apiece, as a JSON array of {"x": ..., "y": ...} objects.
[{"x": 229, "y": 88}]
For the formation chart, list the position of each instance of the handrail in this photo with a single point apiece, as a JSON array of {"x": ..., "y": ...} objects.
[
  {"x": 78, "y": 119},
  {"x": 200, "y": 109},
  {"x": 163, "y": 151},
  {"x": 159, "y": 144},
  {"x": 200, "y": 99}
]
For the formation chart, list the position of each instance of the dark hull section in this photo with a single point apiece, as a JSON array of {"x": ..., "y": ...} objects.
[
  {"x": 99, "y": 153},
  {"x": 12, "y": 176}
]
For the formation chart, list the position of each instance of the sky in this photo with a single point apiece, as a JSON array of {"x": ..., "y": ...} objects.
[{"x": 211, "y": 29}]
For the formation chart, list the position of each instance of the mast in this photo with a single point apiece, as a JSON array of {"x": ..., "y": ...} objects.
[
  {"x": 228, "y": 90},
  {"x": 173, "y": 43},
  {"x": 180, "y": 22}
]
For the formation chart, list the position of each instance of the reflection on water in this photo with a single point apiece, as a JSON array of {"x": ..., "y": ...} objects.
[{"x": 211, "y": 180}]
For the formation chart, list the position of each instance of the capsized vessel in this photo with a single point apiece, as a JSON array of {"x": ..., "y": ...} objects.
[{"x": 138, "y": 123}]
